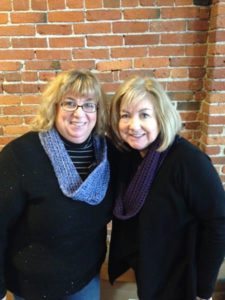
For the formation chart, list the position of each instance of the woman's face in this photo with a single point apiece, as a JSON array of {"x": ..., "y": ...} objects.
[
  {"x": 72, "y": 122},
  {"x": 138, "y": 126}
]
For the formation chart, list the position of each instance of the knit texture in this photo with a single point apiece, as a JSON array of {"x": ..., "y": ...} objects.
[
  {"x": 93, "y": 189},
  {"x": 129, "y": 204}
]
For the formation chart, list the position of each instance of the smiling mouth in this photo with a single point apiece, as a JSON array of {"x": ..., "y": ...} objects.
[
  {"x": 136, "y": 136},
  {"x": 78, "y": 124}
]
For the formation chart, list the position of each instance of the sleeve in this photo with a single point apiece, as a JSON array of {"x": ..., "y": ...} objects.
[
  {"x": 206, "y": 198},
  {"x": 11, "y": 204}
]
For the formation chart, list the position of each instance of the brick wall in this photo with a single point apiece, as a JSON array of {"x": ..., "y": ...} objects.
[{"x": 180, "y": 43}]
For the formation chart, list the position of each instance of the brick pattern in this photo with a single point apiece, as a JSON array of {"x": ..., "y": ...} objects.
[{"x": 180, "y": 43}]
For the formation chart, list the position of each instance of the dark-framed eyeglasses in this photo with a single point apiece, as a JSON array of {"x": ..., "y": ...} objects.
[{"x": 70, "y": 106}]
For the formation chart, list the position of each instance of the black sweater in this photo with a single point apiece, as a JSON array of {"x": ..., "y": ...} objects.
[
  {"x": 177, "y": 242},
  {"x": 50, "y": 245}
]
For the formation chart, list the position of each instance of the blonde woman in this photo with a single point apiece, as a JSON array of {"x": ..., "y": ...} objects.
[
  {"x": 55, "y": 196},
  {"x": 169, "y": 214}
]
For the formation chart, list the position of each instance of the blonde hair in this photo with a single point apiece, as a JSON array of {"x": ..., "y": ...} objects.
[
  {"x": 134, "y": 89},
  {"x": 81, "y": 82}
]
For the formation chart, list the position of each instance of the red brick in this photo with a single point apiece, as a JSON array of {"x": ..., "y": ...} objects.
[
  {"x": 216, "y": 36},
  {"x": 111, "y": 3},
  {"x": 42, "y": 65},
  {"x": 211, "y": 85},
  {"x": 30, "y": 99},
  {"x": 166, "y": 50},
  {"x": 216, "y": 73},
  {"x": 21, "y": 4},
  {"x": 89, "y": 28},
  {"x": 128, "y": 3},
  {"x": 196, "y": 50},
  {"x": 54, "y": 29},
  {"x": 129, "y": 52},
  {"x": 17, "y": 30},
  {"x": 5, "y": 120},
  {"x": 9, "y": 100},
  {"x": 10, "y": 65},
  {"x": 179, "y": 73},
  {"x": 66, "y": 42},
  {"x": 53, "y": 54},
  {"x": 104, "y": 41},
  {"x": 130, "y": 27},
  {"x": 39, "y": 4},
  {"x": 3, "y": 18},
  {"x": 198, "y": 25},
  {"x": 179, "y": 12},
  {"x": 46, "y": 76},
  {"x": 151, "y": 62},
  {"x": 183, "y": 2},
  {"x": 20, "y": 110},
  {"x": 165, "y": 2},
  {"x": 187, "y": 61},
  {"x": 216, "y": 97},
  {"x": 6, "y": 5},
  {"x": 67, "y": 16},
  {"x": 53, "y": 4},
  {"x": 16, "y": 54},
  {"x": 184, "y": 38},
  {"x": 16, "y": 130},
  {"x": 4, "y": 43},
  {"x": 93, "y": 4},
  {"x": 114, "y": 65},
  {"x": 147, "y": 2},
  {"x": 78, "y": 64},
  {"x": 96, "y": 15},
  {"x": 185, "y": 85},
  {"x": 75, "y": 4},
  {"x": 141, "y": 13},
  {"x": 12, "y": 76},
  {"x": 29, "y": 76},
  {"x": 91, "y": 53},
  {"x": 167, "y": 26},
  {"x": 144, "y": 39},
  {"x": 216, "y": 49},
  {"x": 197, "y": 72},
  {"x": 161, "y": 73},
  {"x": 28, "y": 17},
  {"x": 215, "y": 120},
  {"x": 29, "y": 43}
]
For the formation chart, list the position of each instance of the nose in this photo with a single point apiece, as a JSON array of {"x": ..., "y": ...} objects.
[
  {"x": 78, "y": 110},
  {"x": 134, "y": 123}
]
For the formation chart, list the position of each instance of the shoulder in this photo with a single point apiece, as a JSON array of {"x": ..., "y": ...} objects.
[
  {"x": 24, "y": 145},
  {"x": 185, "y": 151}
]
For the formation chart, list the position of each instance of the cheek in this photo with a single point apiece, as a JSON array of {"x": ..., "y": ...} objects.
[{"x": 120, "y": 127}]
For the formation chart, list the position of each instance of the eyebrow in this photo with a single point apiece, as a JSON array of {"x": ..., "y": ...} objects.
[
  {"x": 74, "y": 99},
  {"x": 141, "y": 110}
]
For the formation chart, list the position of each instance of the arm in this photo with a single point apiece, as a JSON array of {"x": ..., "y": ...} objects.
[
  {"x": 206, "y": 199},
  {"x": 11, "y": 204}
]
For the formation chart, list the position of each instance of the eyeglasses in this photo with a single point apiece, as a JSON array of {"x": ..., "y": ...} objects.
[{"x": 70, "y": 105}]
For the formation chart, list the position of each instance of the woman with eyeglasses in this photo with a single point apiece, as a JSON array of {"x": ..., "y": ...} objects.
[{"x": 56, "y": 196}]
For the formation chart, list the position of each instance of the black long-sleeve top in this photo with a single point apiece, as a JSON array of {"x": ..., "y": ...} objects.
[
  {"x": 176, "y": 243},
  {"x": 50, "y": 245}
]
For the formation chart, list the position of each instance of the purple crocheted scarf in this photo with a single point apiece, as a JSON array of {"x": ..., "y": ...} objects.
[{"x": 129, "y": 204}]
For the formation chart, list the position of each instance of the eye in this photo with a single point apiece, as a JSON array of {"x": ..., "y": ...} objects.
[
  {"x": 145, "y": 115},
  {"x": 90, "y": 105},
  {"x": 69, "y": 103},
  {"x": 124, "y": 116}
]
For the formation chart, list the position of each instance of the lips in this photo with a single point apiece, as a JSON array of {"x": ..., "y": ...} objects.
[{"x": 78, "y": 124}]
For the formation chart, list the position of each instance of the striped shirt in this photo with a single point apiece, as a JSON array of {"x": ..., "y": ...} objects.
[{"x": 82, "y": 156}]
